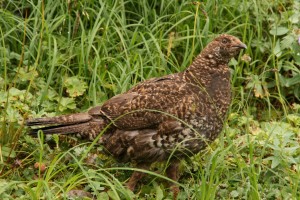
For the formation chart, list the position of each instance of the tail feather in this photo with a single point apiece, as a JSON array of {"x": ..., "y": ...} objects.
[
  {"x": 61, "y": 129},
  {"x": 60, "y": 120},
  {"x": 81, "y": 124}
]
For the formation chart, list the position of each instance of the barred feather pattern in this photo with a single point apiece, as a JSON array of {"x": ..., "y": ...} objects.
[{"x": 177, "y": 114}]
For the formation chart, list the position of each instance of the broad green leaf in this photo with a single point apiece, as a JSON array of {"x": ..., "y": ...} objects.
[
  {"x": 159, "y": 193},
  {"x": 26, "y": 75},
  {"x": 287, "y": 41},
  {"x": 293, "y": 81},
  {"x": 275, "y": 162},
  {"x": 103, "y": 196},
  {"x": 4, "y": 185},
  {"x": 66, "y": 103},
  {"x": 8, "y": 152},
  {"x": 12, "y": 114},
  {"x": 14, "y": 55},
  {"x": 279, "y": 30},
  {"x": 16, "y": 92},
  {"x": 277, "y": 49},
  {"x": 112, "y": 195},
  {"x": 257, "y": 87},
  {"x": 234, "y": 193},
  {"x": 75, "y": 87},
  {"x": 287, "y": 82},
  {"x": 296, "y": 49},
  {"x": 294, "y": 19}
]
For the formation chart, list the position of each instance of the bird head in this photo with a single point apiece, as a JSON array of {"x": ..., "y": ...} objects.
[{"x": 223, "y": 48}]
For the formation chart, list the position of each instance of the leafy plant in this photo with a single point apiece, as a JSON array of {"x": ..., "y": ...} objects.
[{"x": 65, "y": 56}]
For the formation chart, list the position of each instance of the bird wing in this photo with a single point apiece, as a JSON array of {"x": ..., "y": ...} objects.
[{"x": 146, "y": 105}]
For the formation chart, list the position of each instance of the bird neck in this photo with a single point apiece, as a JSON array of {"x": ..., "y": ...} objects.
[
  {"x": 206, "y": 70},
  {"x": 212, "y": 77}
]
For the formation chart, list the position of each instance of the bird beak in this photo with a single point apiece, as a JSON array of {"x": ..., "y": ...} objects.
[{"x": 241, "y": 45}]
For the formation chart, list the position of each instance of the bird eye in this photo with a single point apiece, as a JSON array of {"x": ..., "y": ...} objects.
[{"x": 224, "y": 41}]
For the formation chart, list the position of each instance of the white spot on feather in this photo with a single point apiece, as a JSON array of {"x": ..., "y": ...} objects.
[
  {"x": 186, "y": 131},
  {"x": 130, "y": 150},
  {"x": 132, "y": 133}
]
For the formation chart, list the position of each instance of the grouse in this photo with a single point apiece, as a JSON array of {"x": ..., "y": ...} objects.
[{"x": 166, "y": 118}]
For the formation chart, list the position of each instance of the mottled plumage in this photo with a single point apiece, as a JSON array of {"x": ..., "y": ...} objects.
[{"x": 183, "y": 112}]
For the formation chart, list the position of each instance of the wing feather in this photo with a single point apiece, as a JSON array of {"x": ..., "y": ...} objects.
[{"x": 131, "y": 110}]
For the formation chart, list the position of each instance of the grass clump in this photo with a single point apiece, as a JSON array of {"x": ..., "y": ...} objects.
[{"x": 64, "y": 56}]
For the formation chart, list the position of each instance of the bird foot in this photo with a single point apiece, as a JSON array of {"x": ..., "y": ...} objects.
[
  {"x": 135, "y": 177},
  {"x": 130, "y": 186},
  {"x": 175, "y": 189}
]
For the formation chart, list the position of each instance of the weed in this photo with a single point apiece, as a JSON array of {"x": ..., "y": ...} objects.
[{"x": 65, "y": 56}]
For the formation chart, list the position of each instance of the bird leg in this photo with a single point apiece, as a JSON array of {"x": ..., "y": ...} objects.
[
  {"x": 136, "y": 176},
  {"x": 172, "y": 173}
]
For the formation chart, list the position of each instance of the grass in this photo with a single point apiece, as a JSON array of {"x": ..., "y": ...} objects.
[{"x": 65, "y": 56}]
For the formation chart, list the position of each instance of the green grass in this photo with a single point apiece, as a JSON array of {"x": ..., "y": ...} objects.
[{"x": 65, "y": 56}]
